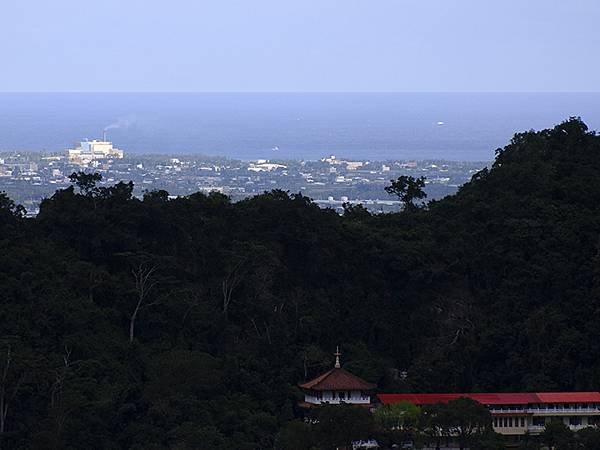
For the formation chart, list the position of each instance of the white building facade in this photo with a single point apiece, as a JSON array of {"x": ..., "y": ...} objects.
[{"x": 89, "y": 151}]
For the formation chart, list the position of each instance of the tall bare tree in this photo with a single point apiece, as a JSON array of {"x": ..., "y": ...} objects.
[
  {"x": 143, "y": 276},
  {"x": 59, "y": 408},
  {"x": 233, "y": 279},
  {"x": 10, "y": 383}
]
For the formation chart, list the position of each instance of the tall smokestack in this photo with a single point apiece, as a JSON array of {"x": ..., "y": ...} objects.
[{"x": 104, "y": 135}]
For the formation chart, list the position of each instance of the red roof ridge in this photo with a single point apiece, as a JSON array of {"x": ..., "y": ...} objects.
[{"x": 496, "y": 398}]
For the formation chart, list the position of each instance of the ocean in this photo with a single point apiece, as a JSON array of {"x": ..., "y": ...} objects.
[{"x": 376, "y": 126}]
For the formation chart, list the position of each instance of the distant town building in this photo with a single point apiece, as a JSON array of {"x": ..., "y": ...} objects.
[
  {"x": 336, "y": 386},
  {"x": 409, "y": 165},
  {"x": 517, "y": 414},
  {"x": 89, "y": 151},
  {"x": 354, "y": 165},
  {"x": 263, "y": 165}
]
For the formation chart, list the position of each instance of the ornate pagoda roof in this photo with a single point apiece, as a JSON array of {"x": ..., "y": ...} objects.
[{"x": 337, "y": 379}]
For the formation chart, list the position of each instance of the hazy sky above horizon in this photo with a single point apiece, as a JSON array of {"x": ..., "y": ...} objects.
[{"x": 299, "y": 45}]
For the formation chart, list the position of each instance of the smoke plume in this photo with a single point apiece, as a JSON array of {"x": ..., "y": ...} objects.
[{"x": 122, "y": 123}]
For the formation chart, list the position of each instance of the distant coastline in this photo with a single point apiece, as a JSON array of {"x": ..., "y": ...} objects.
[
  {"x": 377, "y": 126},
  {"x": 28, "y": 177}
]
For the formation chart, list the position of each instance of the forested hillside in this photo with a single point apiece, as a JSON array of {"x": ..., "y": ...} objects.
[{"x": 187, "y": 323}]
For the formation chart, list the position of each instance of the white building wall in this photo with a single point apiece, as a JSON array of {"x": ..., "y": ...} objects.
[
  {"x": 337, "y": 397},
  {"x": 90, "y": 150},
  {"x": 535, "y": 422}
]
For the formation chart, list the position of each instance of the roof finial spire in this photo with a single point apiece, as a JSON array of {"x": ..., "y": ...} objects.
[{"x": 337, "y": 355}]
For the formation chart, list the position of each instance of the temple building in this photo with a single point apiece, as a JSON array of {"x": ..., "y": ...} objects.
[
  {"x": 337, "y": 386},
  {"x": 517, "y": 414}
]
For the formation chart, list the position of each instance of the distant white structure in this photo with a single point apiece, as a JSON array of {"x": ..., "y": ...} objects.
[
  {"x": 263, "y": 165},
  {"x": 350, "y": 165},
  {"x": 353, "y": 165},
  {"x": 89, "y": 151}
]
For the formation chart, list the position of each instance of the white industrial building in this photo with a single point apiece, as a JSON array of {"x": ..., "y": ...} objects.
[{"x": 89, "y": 151}]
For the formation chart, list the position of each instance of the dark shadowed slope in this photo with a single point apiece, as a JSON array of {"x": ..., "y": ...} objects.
[{"x": 162, "y": 323}]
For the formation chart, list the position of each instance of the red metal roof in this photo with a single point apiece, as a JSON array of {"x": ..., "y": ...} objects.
[
  {"x": 569, "y": 397},
  {"x": 503, "y": 398},
  {"x": 337, "y": 379}
]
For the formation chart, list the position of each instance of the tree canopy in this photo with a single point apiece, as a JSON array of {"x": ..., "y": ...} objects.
[
  {"x": 408, "y": 189},
  {"x": 493, "y": 289}
]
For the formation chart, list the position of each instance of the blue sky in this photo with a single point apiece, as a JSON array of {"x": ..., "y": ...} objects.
[{"x": 307, "y": 45}]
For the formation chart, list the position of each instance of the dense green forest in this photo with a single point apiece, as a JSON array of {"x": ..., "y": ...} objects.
[{"x": 186, "y": 323}]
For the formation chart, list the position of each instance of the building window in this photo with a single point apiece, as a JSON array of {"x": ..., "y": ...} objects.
[
  {"x": 522, "y": 421},
  {"x": 575, "y": 421},
  {"x": 495, "y": 422},
  {"x": 342, "y": 395},
  {"x": 539, "y": 421}
]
